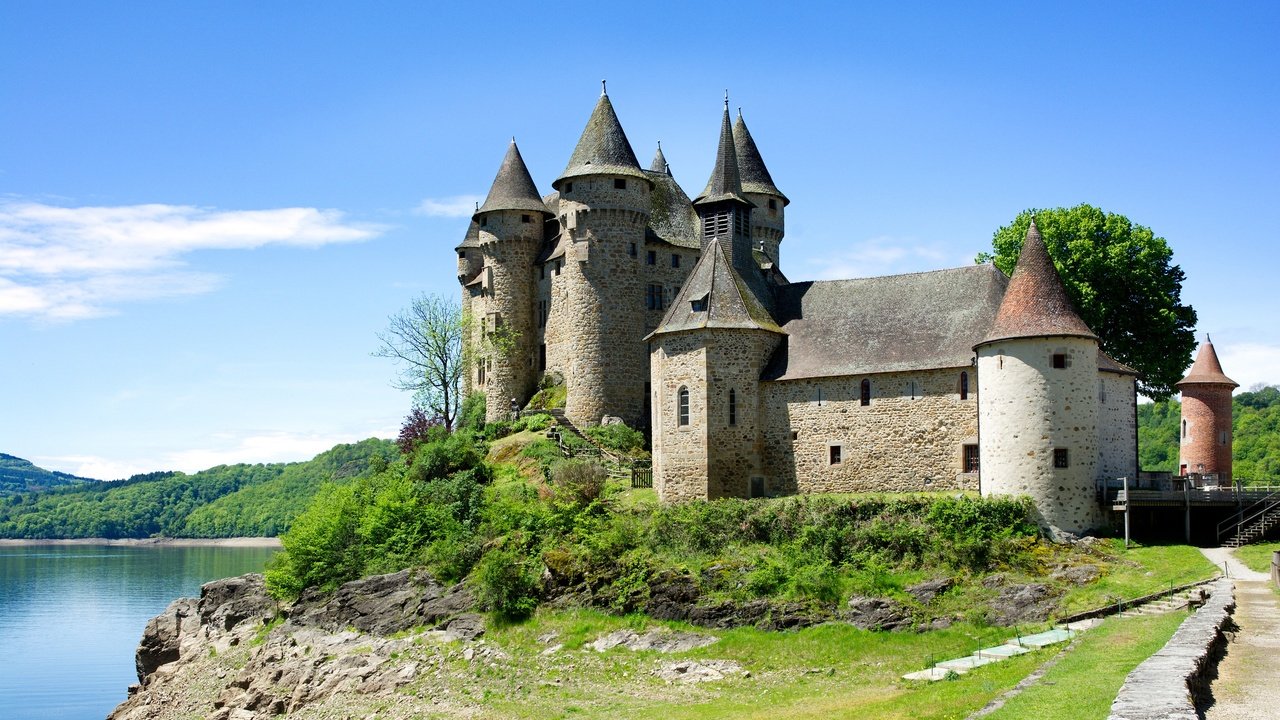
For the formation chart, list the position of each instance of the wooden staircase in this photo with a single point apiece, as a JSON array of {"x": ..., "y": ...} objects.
[{"x": 1251, "y": 525}]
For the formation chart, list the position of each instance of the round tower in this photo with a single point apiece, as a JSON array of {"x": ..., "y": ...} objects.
[
  {"x": 510, "y": 231},
  {"x": 1037, "y": 397},
  {"x": 768, "y": 222},
  {"x": 603, "y": 210},
  {"x": 1205, "y": 445}
]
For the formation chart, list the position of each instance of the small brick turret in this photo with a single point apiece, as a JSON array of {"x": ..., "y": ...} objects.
[{"x": 1205, "y": 445}]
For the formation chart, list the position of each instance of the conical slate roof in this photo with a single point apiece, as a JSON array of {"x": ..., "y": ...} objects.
[
  {"x": 659, "y": 164},
  {"x": 513, "y": 188},
  {"x": 1206, "y": 370},
  {"x": 725, "y": 300},
  {"x": 751, "y": 169},
  {"x": 1036, "y": 303},
  {"x": 725, "y": 183},
  {"x": 603, "y": 148}
]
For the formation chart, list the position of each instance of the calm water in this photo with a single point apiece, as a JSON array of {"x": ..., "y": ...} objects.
[{"x": 71, "y": 617}]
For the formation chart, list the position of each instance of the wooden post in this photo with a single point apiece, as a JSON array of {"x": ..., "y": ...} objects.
[
  {"x": 1126, "y": 511},
  {"x": 1186, "y": 494}
]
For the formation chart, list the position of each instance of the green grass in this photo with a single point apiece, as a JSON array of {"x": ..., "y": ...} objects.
[
  {"x": 1258, "y": 557},
  {"x": 1138, "y": 571},
  {"x": 1085, "y": 682},
  {"x": 828, "y": 671}
]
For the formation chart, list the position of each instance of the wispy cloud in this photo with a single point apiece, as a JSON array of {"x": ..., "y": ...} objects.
[
  {"x": 885, "y": 255},
  {"x": 451, "y": 207},
  {"x": 228, "y": 449},
  {"x": 1250, "y": 364},
  {"x": 67, "y": 263}
]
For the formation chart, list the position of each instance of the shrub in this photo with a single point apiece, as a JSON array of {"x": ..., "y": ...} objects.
[
  {"x": 617, "y": 437},
  {"x": 445, "y": 455},
  {"x": 534, "y": 422},
  {"x": 506, "y": 583},
  {"x": 416, "y": 429},
  {"x": 577, "y": 482},
  {"x": 471, "y": 414}
]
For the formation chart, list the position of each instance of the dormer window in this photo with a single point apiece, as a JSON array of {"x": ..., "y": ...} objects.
[{"x": 698, "y": 304}]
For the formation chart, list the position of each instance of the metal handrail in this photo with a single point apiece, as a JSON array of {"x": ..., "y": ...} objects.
[{"x": 1271, "y": 502}]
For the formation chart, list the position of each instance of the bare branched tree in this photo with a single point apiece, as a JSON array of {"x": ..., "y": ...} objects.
[{"x": 426, "y": 340}]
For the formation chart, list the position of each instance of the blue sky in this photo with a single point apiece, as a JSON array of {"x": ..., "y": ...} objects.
[{"x": 207, "y": 210}]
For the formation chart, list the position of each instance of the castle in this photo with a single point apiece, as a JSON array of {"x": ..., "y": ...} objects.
[{"x": 674, "y": 315}]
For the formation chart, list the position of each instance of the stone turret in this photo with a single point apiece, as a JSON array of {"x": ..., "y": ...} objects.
[
  {"x": 724, "y": 212},
  {"x": 1037, "y": 397},
  {"x": 1205, "y": 445},
  {"x": 510, "y": 232},
  {"x": 604, "y": 204},
  {"x": 768, "y": 222}
]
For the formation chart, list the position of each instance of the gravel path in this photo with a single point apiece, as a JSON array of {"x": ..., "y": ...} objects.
[{"x": 1249, "y": 675}]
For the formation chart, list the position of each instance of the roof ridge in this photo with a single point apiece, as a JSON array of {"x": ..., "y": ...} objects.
[{"x": 966, "y": 268}]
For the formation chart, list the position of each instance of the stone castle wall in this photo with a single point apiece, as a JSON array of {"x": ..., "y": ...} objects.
[
  {"x": 506, "y": 329},
  {"x": 1030, "y": 408},
  {"x": 1206, "y": 440},
  {"x": 911, "y": 437},
  {"x": 679, "y": 451},
  {"x": 768, "y": 224},
  {"x": 1117, "y": 427}
]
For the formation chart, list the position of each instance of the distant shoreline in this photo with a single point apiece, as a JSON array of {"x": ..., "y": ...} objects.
[{"x": 239, "y": 542}]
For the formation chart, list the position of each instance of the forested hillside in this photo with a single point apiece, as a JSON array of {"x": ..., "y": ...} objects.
[
  {"x": 18, "y": 476},
  {"x": 1255, "y": 430},
  {"x": 224, "y": 501}
]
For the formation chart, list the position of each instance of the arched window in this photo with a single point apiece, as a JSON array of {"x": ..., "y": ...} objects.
[
  {"x": 964, "y": 386},
  {"x": 1184, "y": 428},
  {"x": 733, "y": 407},
  {"x": 682, "y": 406},
  {"x": 866, "y": 392}
]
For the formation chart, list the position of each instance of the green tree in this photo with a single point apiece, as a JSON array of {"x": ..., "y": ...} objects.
[
  {"x": 426, "y": 339},
  {"x": 1122, "y": 280}
]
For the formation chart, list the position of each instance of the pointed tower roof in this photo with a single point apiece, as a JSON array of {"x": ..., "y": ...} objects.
[
  {"x": 1036, "y": 303},
  {"x": 725, "y": 183},
  {"x": 722, "y": 296},
  {"x": 751, "y": 168},
  {"x": 603, "y": 148},
  {"x": 1206, "y": 370},
  {"x": 513, "y": 187},
  {"x": 659, "y": 164}
]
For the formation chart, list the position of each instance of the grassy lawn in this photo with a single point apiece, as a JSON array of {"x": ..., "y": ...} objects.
[
  {"x": 1085, "y": 682},
  {"x": 1258, "y": 557},
  {"x": 1140, "y": 570},
  {"x": 829, "y": 671}
]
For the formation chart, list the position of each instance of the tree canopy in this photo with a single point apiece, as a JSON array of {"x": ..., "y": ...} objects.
[
  {"x": 1121, "y": 278},
  {"x": 425, "y": 340}
]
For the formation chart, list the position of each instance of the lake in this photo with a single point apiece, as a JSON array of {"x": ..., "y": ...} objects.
[{"x": 71, "y": 617}]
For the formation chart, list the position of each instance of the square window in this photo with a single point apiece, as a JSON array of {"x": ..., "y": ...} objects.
[
  {"x": 568, "y": 188},
  {"x": 619, "y": 184},
  {"x": 834, "y": 451},
  {"x": 651, "y": 258},
  {"x": 1060, "y": 458},
  {"x": 526, "y": 218},
  {"x": 1059, "y": 360},
  {"x": 773, "y": 204}
]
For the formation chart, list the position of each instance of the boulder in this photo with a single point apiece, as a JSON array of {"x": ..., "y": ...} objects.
[
  {"x": 383, "y": 604},
  {"x": 162, "y": 639},
  {"x": 226, "y": 603},
  {"x": 1018, "y": 604},
  {"x": 872, "y": 613},
  {"x": 925, "y": 592}
]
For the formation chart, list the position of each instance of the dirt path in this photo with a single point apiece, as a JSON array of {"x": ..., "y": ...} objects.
[{"x": 1249, "y": 675}]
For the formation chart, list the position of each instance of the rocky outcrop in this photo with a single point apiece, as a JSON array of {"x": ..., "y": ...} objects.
[{"x": 234, "y": 654}]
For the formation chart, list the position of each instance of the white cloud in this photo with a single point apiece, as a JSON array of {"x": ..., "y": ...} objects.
[
  {"x": 1250, "y": 364},
  {"x": 450, "y": 207},
  {"x": 66, "y": 263},
  {"x": 227, "y": 449},
  {"x": 884, "y": 255}
]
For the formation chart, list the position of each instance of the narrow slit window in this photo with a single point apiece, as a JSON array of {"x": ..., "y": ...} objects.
[
  {"x": 733, "y": 407},
  {"x": 682, "y": 409},
  {"x": 651, "y": 258},
  {"x": 865, "y": 393},
  {"x": 964, "y": 386},
  {"x": 675, "y": 260}
]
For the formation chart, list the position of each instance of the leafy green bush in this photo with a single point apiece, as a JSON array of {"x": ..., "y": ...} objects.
[
  {"x": 506, "y": 583},
  {"x": 577, "y": 482},
  {"x": 535, "y": 422},
  {"x": 618, "y": 437},
  {"x": 471, "y": 414},
  {"x": 445, "y": 454}
]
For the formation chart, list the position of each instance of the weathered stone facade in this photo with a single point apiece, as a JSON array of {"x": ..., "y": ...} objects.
[{"x": 675, "y": 316}]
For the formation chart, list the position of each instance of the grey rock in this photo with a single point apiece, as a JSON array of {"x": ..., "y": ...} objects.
[
  {"x": 383, "y": 604},
  {"x": 162, "y": 638},
  {"x": 925, "y": 592},
  {"x": 1018, "y": 604},
  {"x": 871, "y": 613},
  {"x": 1077, "y": 575},
  {"x": 226, "y": 603},
  {"x": 690, "y": 671}
]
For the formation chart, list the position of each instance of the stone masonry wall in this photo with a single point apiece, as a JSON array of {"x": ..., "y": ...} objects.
[
  {"x": 1029, "y": 409},
  {"x": 606, "y": 363},
  {"x": 510, "y": 245},
  {"x": 768, "y": 226},
  {"x": 735, "y": 361},
  {"x": 911, "y": 437},
  {"x": 679, "y": 451},
  {"x": 1206, "y": 412},
  {"x": 1117, "y": 427}
]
